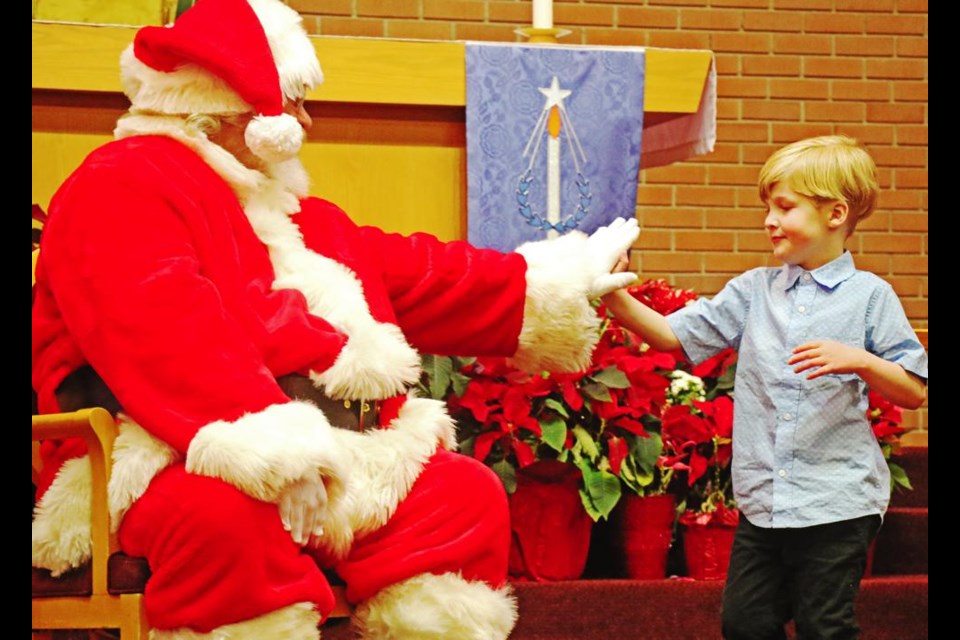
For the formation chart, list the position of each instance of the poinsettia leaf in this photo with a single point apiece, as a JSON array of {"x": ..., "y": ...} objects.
[
  {"x": 524, "y": 453},
  {"x": 601, "y": 491},
  {"x": 508, "y": 475},
  {"x": 612, "y": 377},
  {"x": 437, "y": 370},
  {"x": 646, "y": 451},
  {"x": 597, "y": 391},
  {"x": 587, "y": 444},
  {"x": 459, "y": 382},
  {"x": 557, "y": 406},
  {"x": 466, "y": 446},
  {"x": 898, "y": 477},
  {"x": 554, "y": 432}
]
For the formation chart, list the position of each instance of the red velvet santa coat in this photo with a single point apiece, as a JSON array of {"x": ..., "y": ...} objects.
[{"x": 154, "y": 271}]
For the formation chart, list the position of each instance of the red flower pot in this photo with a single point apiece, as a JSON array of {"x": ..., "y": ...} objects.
[
  {"x": 550, "y": 530},
  {"x": 646, "y": 531},
  {"x": 707, "y": 543}
]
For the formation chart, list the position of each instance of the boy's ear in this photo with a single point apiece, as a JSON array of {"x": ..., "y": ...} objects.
[{"x": 839, "y": 212}]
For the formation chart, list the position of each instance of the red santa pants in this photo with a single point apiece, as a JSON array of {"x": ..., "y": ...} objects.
[{"x": 218, "y": 556}]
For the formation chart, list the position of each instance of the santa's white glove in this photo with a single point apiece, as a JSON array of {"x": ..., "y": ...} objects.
[
  {"x": 303, "y": 507},
  {"x": 604, "y": 248}
]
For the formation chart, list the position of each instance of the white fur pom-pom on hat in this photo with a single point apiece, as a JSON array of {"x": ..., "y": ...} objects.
[{"x": 274, "y": 138}]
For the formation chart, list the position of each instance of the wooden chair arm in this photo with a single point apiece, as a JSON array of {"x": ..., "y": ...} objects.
[{"x": 98, "y": 429}]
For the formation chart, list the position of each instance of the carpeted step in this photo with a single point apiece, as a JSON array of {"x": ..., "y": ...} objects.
[
  {"x": 889, "y": 608},
  {"x": 914, "y": 462},
  {"x": 902, "y": 545}
]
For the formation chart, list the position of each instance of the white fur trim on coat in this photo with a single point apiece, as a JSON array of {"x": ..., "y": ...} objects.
[
  {"x": 439, "y": 607},
  {"x": 560, "y": 327},
  {"x": 61, "y": 521},
  {"x": 384, "y": 464},
  {"x": 137, "y": 458},
  {"x": 262, "y": 453},
  {"x": 298, "y": 621}
]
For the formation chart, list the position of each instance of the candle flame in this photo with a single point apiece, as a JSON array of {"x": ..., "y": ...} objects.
[{"x": 553, "y": 122}]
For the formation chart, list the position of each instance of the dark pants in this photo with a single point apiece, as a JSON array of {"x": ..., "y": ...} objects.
[{"x": 810, "y": 574}]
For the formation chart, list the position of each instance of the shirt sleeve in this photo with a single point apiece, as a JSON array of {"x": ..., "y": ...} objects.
[
  {"x": 708, "y": 326},
  {"x": 889, "y": 334}
]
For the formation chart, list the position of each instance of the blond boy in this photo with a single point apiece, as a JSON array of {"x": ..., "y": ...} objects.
[{"x": 812, "y": 335}]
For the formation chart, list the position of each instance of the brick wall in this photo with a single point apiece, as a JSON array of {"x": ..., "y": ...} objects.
[{"x": 787, "y": 69}]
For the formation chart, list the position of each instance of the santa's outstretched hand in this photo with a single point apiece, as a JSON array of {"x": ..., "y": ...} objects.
[{"x": 605, "y": 246}]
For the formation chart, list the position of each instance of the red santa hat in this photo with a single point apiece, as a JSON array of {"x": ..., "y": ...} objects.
[{"x": 227, "y": 57}]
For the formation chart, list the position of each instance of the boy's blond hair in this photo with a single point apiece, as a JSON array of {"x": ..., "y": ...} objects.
[{"x": 825, "y": 168}]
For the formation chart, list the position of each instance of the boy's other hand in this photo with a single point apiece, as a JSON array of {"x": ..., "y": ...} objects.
[{"x": 828, "y": 357}]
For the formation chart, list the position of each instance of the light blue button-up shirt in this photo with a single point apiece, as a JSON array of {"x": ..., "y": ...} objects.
[{"x": 803, "y": 450}]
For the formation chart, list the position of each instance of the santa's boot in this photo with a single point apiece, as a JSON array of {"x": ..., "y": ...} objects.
[
  {"x": 437, "y": 607},
  {"x": 297, "y": 622}
]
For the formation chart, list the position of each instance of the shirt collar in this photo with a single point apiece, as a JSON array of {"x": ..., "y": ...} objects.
[{"x": 828, "y": 275}]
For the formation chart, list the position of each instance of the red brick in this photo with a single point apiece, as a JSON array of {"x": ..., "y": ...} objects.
[
  {"x": 805, "y": 44},
  {"x": 743, "y": 132},
  {"x": 904, "y": 91},
  {"x": 515, "y": 12},
  {"x": 758, "y": 153},
  {"x": 703, "y": 285},
  {"x": 646, "y": 17},
  {"x": 911, "y": 6},
  {"x": 747, "y": 197},
  {"x": 868, "y": 133},
  {"x": 878, "y": 264},
  {"x": 323, "y": 7},
  {"x": 775, "y": 21},
  {"x": 678, "y": 173},
  {"x": 771, "y": 110},
  {"x": 909, "y": 264},
  {"x": 357, "y": 27},
  {"x": 908, "y": 113},
  {"x": 678, "y": 40},
  {"x": 687, "y": 3},
  {"x": 388, "y": 8},
  {"x": 741, "y": 42},
  {"x": 714, "y": 20},
  {"x": 904, "y": 221},
  {"x": 877, "y": 221},
  {"x": 671, "y": 262},
  {"x": 747, "y": 4},
  {"x": 617, "y": 37},
  {"x": 833, "y": 112},
  {"x": 906, "y": 286},
  {"x": 897, "y": 69},
  {"x": 655, "y": 195},
  {"x": 670, "y": 218},
  {"x": 721, "y": 154},
  {"x": 900, "y": 156},
  {"x": 485, "y": 32},
  {"x": 901, "y": 198},
  {"x": 864, "y": 46},
  {"x": 734, "y": 175},
  {"x": 804, "y": 5},
  {"x": 734, "y": 263},
  {"x": 742, "y": 87},
  {"x": 727, "y": 64},
  {"x": 833, "y": 23},
  {"x": 912, "y": 47},
  {"x": 885, "y": 177},
  {"x": 770, "y": 65},
  {"x": 912, "y": 135},
  {"x": 453, "y": 10},
  {"x": 419, "y": 29},
  {"x": 757, "y": 241},
  {"x": 884, "y": 6},
  {"x": 814, "y": 67},
  {"x": 651, "y": 239},
  {"x": 707, "y": 196},
  {"x": 890, "y": 243},
  {"x": 785, "y": 133},
  {"x": 736, "y": 218},
  {"x": 915, "y": 308},
  {"x": 803, "y": 89},
  {"x": 581, "y": 14},
  {"x": 860, "y": 90},
  {"x": 311, "y": 24},
  {"x": 913, "y": 25}
]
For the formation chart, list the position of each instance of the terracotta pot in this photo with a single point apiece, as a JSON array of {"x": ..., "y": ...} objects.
[
  {"x": 550, "y": 530},
  {"x": 646, "y": 532}
]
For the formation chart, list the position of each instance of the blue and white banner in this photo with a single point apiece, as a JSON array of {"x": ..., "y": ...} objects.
[{"x": 553, "y": 139}]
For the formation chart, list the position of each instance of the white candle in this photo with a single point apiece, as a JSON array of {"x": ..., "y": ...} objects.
[
  {"x": 553, "y": 183},
  {"x": 543, "y": 14}
]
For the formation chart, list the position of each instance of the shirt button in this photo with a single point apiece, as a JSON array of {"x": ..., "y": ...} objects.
[
  {"x": 801, "y": 308},
  {"x": 788, "y": 417},
  {"x": 806, "y": 277},
  {"x": 782, "y": 473}
]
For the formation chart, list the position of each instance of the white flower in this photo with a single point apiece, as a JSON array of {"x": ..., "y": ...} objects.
[{"x": 685, "y": 388}]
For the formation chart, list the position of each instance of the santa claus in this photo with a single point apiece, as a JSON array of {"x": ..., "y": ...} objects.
[{"x": 258, "y": 348}]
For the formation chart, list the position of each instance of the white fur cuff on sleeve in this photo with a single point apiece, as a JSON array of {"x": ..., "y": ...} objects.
[
  {"x": 560, "y": 327},
  {"x": 263, "y": 452}
]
